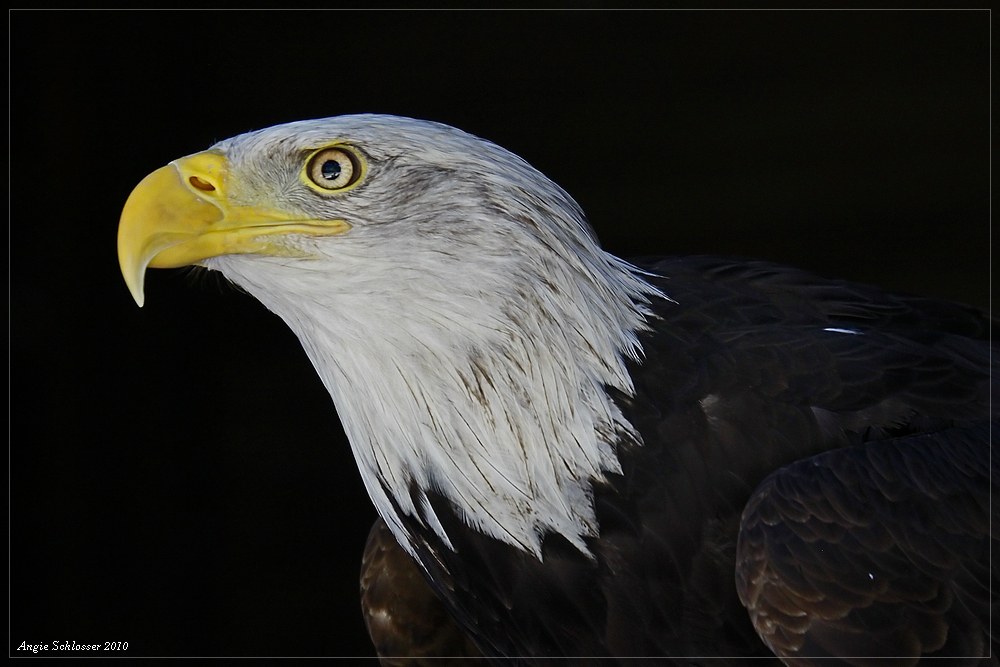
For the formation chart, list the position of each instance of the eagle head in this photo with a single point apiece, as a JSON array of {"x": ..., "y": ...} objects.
[{"x": 454, "y": 301}]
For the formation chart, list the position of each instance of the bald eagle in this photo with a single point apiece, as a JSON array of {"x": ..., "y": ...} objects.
[{"x": 682, "y": 458}]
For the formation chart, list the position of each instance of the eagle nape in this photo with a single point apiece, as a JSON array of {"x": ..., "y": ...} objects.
[{"x": 687, "y": 460}]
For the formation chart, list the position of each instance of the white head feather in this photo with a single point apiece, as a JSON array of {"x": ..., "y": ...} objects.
[{"x": 466, "y": 326}]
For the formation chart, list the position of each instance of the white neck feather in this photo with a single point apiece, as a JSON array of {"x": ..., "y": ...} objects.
[{"x": 478, "y": 373}]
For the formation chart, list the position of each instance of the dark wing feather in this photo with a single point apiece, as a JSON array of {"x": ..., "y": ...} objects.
[
  {"x": 407, "y": 622},
  {"x": 878, "y": 550},
  {"x": 748, "y": 368}
]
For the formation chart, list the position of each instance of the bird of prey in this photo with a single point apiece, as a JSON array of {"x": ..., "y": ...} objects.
[{"x": 684, "y": 459}]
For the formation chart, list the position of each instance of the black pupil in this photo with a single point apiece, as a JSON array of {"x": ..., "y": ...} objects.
[{"x": 330, "y": 170}]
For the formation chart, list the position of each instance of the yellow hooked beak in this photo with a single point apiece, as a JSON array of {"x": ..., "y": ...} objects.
[{"x": 180, "y": 215}]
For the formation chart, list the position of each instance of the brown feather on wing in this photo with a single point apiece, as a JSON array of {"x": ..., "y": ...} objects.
[
  {"x": 407, "y": 622},
  {"x": 875, "y": 551}
]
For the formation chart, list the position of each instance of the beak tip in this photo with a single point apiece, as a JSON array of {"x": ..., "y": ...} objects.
[
  {"x": 138, "y": 293},
  {"x": 135, "y": 282}
]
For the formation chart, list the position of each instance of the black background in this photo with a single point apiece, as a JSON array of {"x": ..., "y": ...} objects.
[{"x": 179, "y": 479}]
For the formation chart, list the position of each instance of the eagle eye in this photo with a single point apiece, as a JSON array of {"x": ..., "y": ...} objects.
[{"x": 334, "y": 168}]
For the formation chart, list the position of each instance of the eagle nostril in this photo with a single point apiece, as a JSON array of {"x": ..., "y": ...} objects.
[{"x": 201, "y": 184}]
